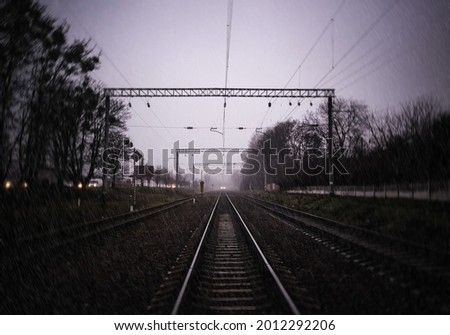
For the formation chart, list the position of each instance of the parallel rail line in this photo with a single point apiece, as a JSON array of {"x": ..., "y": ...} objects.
[
  {"x": 37, "y": 244},
  {"x": 405, "y": 253}
]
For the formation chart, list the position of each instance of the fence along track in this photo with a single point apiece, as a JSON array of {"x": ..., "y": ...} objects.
[{"x": 229, "y": 273}]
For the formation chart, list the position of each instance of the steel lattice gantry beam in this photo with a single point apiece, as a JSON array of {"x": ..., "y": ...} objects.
[{"x": 220, "y": 92}]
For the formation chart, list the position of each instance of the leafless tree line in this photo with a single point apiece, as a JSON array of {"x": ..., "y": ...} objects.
[
  {"x": 50, "y": 106},
  {"x": 405, "y": 145}
]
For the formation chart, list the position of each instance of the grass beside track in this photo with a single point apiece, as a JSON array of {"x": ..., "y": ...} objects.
[
  {"x": 424, "y": 222},
  {"x": 24, "y": 214}
]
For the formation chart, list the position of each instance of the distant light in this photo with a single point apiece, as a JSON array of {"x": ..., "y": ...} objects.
[
  {"x": 80, "y": 185},
  {"x": 8, "y": 185},
  {"x": 223, "y": 187},
  {"x": 25, "y": 184}
]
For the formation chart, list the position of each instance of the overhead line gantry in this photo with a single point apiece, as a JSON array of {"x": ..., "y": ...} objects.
[
  {"x": 288, "y": 93},
  {"x": 291, "y": 93}
]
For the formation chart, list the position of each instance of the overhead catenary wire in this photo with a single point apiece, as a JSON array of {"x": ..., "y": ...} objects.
[
  {"x": 305, "y": 58},
  {"x": 227, "y": 63},
  {"x": 401, "y": 49},
  {"x": 372, "y": 71},
  {"x": 325, "y": 29},
  {"x": 359, "y": 40},
  {"x": 352, "y": 63},
  {"x": 361, "y": 68}
]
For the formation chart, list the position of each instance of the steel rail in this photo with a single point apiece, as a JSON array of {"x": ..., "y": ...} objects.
[
  {"x": 275, "y": 277},
  {"x": 411, "y": 245},
  {"x": 407, "y": 253},
  {"x": 194, "y": 261},
  {"x": 45, "y": 242}
]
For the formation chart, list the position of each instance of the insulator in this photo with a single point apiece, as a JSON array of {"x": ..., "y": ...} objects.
[
  {"x": 310, "y": 103},
  {"x": 270, "y": 104},
  {"x": 129, "y": 104},
  {"x": 148, "y": 104},
  {"x": 298, "y": 103},
  {"x": 290, "y": 103}
]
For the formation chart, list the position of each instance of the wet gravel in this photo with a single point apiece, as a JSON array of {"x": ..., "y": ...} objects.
[{"x": 117, "y": 273}]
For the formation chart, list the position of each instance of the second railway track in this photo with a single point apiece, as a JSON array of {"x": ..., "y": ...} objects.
[
  {"x": 28, "y": 247},
  {"x": 229, "y": 274}
]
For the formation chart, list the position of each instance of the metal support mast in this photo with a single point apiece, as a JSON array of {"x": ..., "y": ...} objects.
[{"x": 330, "y": 145}]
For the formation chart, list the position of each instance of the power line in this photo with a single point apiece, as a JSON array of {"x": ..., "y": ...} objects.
[
  {"x": 330, "y": 23},
  {"x": 229, "y": 21},
  {"x": 353, "y": 63},
  {"x": 290, "y": 113},
  {"x": 359, "y": 40},
  {"x": 361, "y": 67},
  {"x": 401, "y": 49},
  {"x": 367, "y": 74},
  {"x": 227, "y": 63}
]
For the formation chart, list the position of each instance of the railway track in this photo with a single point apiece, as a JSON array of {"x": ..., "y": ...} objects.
[
  {"x": 229, "y": 273},
  {"x": 409, "y": 266},
  {"x": 27, "y": 247}
]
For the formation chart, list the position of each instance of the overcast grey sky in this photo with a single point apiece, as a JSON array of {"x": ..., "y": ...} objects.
[{"x": 182, "y": 43}]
